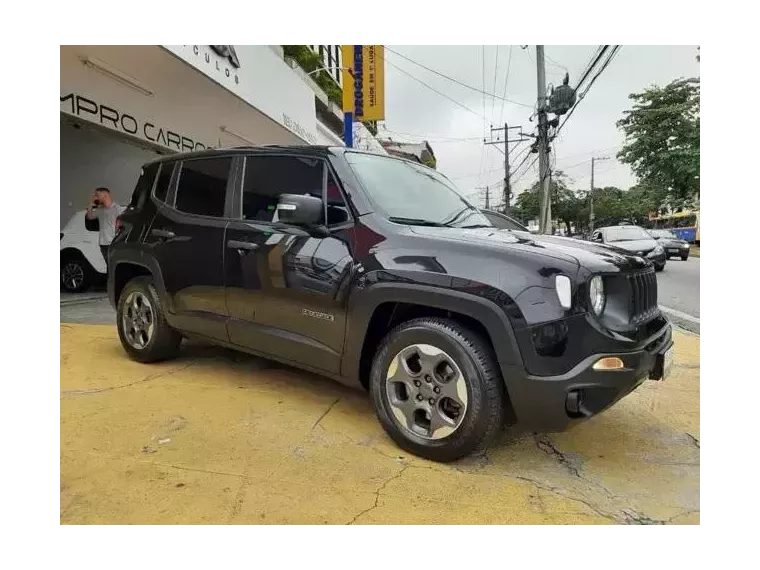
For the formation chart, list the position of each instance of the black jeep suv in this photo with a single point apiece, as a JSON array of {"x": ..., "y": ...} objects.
[{"x": 374, "y": 270}]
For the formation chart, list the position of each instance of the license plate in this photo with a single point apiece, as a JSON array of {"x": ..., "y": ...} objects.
[
  {"x": 673, "y": 250},
  {"x": 662, "y": 365}
]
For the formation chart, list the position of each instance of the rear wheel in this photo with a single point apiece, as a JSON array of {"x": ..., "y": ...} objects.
[
  {"x": 141, "y": 321},
  {"x": 437, "y": 390},
  {"x": 76, "y": 273}
]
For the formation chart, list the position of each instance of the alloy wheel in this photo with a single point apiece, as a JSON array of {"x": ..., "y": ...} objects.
[
  {"x": 427, "y": 391},
  {"x": 72, "y": 275},
  {"x": 138, "y": 320}
]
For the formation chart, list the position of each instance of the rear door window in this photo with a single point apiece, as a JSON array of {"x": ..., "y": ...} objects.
[{"x": 202, "y": 186}]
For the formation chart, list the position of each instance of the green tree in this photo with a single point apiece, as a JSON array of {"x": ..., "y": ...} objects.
[
  {"x": 527, "y": 204},
  {"x": 662, "y": 140},
  {"x": 639, "y": 201},
  {"x": 566, "y": 204}
]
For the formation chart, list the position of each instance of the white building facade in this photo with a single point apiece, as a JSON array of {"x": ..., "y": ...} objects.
[{"x": 120, "y": 106}]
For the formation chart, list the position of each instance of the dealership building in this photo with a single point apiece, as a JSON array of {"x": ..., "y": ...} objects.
[{"x": 123, "y": 105}]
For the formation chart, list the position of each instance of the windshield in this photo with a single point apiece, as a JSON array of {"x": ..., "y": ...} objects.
[
  {"x": 663, "y": 234},
  {"x": 411, "y": 193},
  {"x": 627, "y": 233}
]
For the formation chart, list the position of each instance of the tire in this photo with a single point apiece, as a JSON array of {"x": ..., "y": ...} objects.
[
  {"x": 684, "y": 256},
  {"x": 160, "y": 341},
  {"x": 484, "y": 410},
  {"x": 659, "y": 267},
  {"x": 77, "y": 274}
]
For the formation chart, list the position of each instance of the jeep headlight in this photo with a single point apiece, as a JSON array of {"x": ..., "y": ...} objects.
[{"x": 596, "y": 295}]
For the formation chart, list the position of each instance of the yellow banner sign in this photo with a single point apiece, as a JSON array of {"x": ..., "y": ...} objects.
[{"x": 364, "y": 82}]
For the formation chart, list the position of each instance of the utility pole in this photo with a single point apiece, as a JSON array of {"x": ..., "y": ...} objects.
[
  {"x": 544, "y": 222},
  {"x": 487, "y": 194},
  {"x": 506, "y": 128},
  {"x": 507, "y": 192},
  {"x": 591, "y": 194}
]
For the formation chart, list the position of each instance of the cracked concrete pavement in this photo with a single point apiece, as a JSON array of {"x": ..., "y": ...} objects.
[{"x": 220, "y": 437}]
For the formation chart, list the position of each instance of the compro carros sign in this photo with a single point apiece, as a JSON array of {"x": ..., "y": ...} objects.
[{"x": 117, "y": 119}]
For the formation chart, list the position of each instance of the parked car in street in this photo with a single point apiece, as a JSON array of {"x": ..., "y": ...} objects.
[
  {"x": 673, "y": 245},
  {"x": 634, "y": 240},
  {"x": 454, "y": 327},
  {"x": 82, "y": 263},
  {"x": 502, "y": 221}
]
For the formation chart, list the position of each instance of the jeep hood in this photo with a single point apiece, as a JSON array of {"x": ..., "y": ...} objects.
[{"x": 592, "y": 256}]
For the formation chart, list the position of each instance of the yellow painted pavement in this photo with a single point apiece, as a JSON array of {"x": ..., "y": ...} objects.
[{"x": 219, "y": 437}]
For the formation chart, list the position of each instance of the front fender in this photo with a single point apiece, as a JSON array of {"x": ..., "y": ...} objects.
[{"x": 363, "y": 302}]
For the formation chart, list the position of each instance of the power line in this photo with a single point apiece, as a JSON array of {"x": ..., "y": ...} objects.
[
  {"x": 477, "y": 173},
  {"x": 465, "y": 107},
  {"x": 456, "y": 80},
  {"x": 524, "y": 172},
  {"x": 495, "y": 72},
  {"x": 613, "y": 53},
  {"x": 556, "y": 64},
  {"x": 485, "y": 125},
  {"x": 592, "y": 63},
  {"x": 506, "y": 79},
  {"x": 431, "y": 138},
  {"x": 527, "y": 148}
]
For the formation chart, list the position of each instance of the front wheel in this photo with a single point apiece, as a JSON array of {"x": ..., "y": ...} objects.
[
  {"x": 659, "y": 267},
  {"x": 684, "y": 256},
  {"x": 437, "y": 390},
  {"x": 141, "y": 321}
]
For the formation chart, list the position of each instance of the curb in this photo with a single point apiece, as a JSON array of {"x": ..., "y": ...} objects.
[{"x": 82, "y": 300}]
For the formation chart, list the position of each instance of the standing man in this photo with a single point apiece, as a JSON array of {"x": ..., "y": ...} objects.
[{"x": 105, "y": 210}]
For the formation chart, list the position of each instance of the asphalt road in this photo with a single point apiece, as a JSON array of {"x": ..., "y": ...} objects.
[{"x": 678, "y": 292}]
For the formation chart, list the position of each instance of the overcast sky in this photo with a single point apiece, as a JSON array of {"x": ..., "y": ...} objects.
[{"x": 413, "y": 108}]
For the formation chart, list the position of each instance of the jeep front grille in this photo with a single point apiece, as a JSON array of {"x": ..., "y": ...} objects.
[{"x": 643, "y": 295}]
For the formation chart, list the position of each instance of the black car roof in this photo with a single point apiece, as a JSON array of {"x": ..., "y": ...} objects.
[{"x": 320, "y": 151}]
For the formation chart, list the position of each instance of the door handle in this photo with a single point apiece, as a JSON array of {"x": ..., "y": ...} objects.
[
  {"x": 235, "y": 244},
  {"x": 162, "y": 233}
]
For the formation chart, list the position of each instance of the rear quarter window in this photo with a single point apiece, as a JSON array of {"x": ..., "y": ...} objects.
[
  {"x": 164, "y": 177},
  {"x": 144, "y": 185}
]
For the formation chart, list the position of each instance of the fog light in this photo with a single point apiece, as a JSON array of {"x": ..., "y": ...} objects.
[{"x": 609, "y": 363}]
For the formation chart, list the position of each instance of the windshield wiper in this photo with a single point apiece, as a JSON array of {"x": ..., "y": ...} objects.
[
  {"x": 416, "y": 222},
  {"x": 457, "y": 215}
]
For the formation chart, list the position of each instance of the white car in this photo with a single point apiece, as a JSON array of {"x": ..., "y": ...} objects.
[{"x": 81, "y": 261}]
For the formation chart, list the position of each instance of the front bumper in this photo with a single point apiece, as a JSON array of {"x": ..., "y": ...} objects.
[{"x": 553, "y": 403}]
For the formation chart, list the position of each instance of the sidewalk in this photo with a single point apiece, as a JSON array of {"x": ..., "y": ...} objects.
[{"x": 219, "y": 437}]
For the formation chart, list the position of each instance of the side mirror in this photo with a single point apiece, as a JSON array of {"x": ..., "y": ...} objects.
[
  {"x": 599, "y": 239},
  {"x": 300, "y": 210}
]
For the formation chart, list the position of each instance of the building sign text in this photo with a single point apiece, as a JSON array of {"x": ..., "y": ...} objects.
[{"x": 75, "y": 104}]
